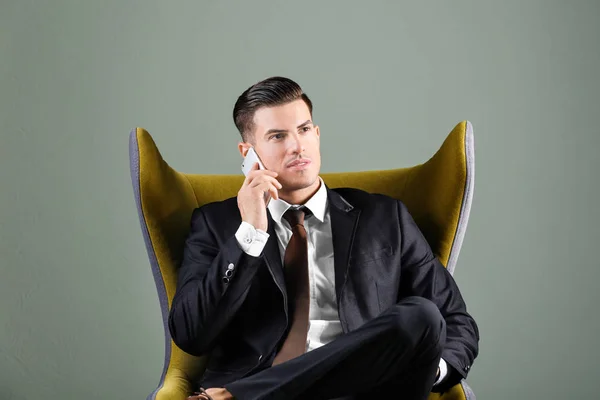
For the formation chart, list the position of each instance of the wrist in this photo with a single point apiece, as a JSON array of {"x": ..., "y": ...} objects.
[
  {"x": 251, "y": 240},
  {"x": 256, "y": 225}
]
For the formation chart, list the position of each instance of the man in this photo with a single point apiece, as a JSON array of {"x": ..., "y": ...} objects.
[{"x": 309, "y": 292}]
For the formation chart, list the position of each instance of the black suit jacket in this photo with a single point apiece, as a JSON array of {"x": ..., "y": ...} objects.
[{"x": 241, "y": 318}]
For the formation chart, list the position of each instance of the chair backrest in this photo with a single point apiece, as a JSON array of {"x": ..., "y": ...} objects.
[{"x": 437, "y": 193}]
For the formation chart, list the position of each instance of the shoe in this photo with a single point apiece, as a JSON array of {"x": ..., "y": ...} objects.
[{"x": 201, "y": 395}]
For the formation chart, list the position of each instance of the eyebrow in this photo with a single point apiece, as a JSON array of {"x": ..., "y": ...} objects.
[{"x": 302, "y": 125}]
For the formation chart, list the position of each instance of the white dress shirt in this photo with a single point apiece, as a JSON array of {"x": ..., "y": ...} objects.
[{"x": 324, "y": 322}]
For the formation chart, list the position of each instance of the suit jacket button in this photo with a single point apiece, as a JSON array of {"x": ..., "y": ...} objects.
[
  {"x": 231, "y": 266},
  {"x": 225, "y": 279}
]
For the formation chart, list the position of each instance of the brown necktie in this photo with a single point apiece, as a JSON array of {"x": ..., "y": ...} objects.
[{"x": 295, "y": 262}]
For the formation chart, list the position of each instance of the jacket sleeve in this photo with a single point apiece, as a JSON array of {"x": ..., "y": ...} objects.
[
  {"x": 213, "y": 281},
  {"x": 423, "y": 275}
]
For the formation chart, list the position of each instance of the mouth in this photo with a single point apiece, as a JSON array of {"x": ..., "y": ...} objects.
[{"x": 299, "y": 164}]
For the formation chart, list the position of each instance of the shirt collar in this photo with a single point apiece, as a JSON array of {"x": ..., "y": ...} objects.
[{"x": 317, "y": 205}]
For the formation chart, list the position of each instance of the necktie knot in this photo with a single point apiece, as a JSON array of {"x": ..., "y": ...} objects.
[{"x": 296, "y": 216}]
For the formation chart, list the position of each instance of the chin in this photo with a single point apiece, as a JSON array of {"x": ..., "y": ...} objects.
[{"x": 301, "y": 182}]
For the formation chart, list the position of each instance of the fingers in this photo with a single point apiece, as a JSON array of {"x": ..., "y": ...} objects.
[
  {"x": 259, "y": 180},
  {"x": 258, "y": 172},
  {"x": 262, "y": 180},
  {"x": 274, "y": 193},
  {"x": 255, "y": 173},
  {"x": 269, "y": 187}
]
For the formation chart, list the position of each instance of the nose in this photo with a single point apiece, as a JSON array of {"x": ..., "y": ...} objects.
[{"x": 297, "y": 144}]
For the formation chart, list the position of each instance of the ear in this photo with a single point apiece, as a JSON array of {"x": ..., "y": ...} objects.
[
  {"x": 318, "y": 131},
  {"x": 243, "y": 148}
]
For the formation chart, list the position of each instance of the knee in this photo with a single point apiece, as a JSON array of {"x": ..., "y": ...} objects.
[
  {"x": 426, "y": 311},
  {"x": 420, "y": 317}
]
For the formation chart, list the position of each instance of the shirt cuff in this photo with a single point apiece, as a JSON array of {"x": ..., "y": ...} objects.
[
  {"x": 443, "y": 371},
  {"x": 252, "y": 241}
]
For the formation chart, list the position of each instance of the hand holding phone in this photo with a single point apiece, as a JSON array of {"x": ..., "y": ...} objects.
[
  {"x": 259, "y": 187},
  {"x": 248, "y": 164}
]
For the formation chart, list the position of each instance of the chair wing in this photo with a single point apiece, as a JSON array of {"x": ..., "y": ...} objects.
[{"x": 165, "y": 200}]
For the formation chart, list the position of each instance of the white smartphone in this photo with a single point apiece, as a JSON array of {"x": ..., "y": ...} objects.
[{"x": 249, "y": 161}]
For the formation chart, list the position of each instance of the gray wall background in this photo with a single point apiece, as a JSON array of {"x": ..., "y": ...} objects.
[{"x": 79, "y": 313}]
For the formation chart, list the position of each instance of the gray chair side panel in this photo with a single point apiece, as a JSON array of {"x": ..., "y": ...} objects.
[
  {"x": 469, "y": 394},
  {"x": 465, "y": 208},
  {"x": 134, "y": 165}
]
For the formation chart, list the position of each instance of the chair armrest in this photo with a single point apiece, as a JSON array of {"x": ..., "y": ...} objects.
[
  {"x": 176, "y": 386},
  {"x": 460, "y": 391},
  {"x": 469, "y": 394}
]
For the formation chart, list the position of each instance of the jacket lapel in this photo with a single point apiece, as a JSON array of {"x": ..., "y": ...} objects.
[{"x": 344, "y": 220}]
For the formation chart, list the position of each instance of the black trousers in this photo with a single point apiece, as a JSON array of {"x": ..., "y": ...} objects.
[{"x": 395, "y": 355}]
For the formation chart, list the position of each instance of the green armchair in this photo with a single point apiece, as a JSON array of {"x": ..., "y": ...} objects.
[{"x": 438, "y": 194}]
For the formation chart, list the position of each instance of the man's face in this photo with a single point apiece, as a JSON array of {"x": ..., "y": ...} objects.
[{"x": 287, "y": 142}]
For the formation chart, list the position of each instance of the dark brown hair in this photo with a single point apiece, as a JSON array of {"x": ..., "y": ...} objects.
[{"x": 271, "y": 92}]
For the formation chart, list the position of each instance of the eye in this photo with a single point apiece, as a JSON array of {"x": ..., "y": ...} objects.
[
  {"x": 306, "y": 128},
  {"x": 277, "y": 136}
]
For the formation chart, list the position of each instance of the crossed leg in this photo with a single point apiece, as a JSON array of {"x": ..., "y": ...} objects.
[{"x": 395, "y": 353}]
